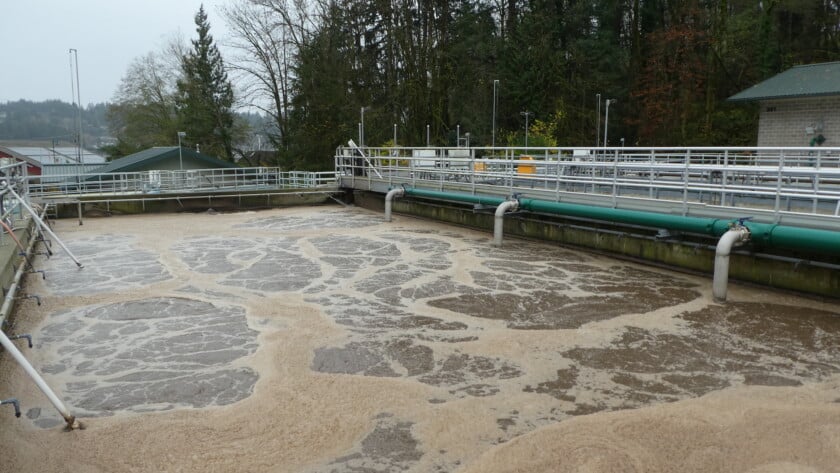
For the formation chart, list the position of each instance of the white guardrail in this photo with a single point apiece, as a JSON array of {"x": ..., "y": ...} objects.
[
  {"x": 789, "y": 180},
  {"x": 176, "y": 182}
]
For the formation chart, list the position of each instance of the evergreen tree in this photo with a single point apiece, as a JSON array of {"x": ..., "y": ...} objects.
[{"x": 205, "y": 95}]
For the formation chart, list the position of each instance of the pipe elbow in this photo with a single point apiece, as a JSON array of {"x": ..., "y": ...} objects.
[
  {"x": 733, "y": 237},
  {"x": 395, "y": 192},
  {"x": 507, "y": 206}
]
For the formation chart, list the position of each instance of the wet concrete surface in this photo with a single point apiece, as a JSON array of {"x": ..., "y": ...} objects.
[{"x": 437, "y": 307}]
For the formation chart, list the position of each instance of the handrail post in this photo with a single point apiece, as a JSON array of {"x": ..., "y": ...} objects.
[{"x": 777, "y": 207}]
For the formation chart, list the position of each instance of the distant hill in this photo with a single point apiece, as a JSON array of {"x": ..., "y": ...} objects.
[
  {"x": 53, "y": 123},
  {"x": 52, "y": 120}
]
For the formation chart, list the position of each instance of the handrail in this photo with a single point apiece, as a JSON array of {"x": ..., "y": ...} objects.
[
  {"x": 801, "y": 181},
  {"x": 177, "y": 181}
]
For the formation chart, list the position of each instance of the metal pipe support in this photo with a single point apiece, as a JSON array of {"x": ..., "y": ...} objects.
[
  {"x": 14, "y": 402},
  {"x": 5, "y": 309}
]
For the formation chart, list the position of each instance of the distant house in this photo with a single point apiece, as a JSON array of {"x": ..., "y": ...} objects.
[
  {"x": 40, "y": 158},
  {"x": 164, "y": 159},
  {"x": 799, "y": 107}
]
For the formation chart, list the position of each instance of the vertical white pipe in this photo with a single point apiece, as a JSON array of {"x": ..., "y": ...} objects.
[
  {"x": 499, "y": 222},
  {"x": 389, "y": 198},
  {"x": 724, "y": 248}
]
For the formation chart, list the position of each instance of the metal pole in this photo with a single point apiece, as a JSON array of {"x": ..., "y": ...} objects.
[
  {"x": 39, "y": 381},
  {"x": 18, "y": 356},
  {"x": 527, "y": 114},
  {"x": 607, "y": 119},
  {"x": 362, "y": 129},
  {"x": 78, "y": 96},
  {"x": 44, "y": 228},
  {"x": 181, "y": 134},
  {"x": 395, "y": 135},
  {"x": 458, "y": 136},
  {"x": 598, "y": 121},
  {"x": 427, "y": 136},
  {"x": 495, "y": 84}
]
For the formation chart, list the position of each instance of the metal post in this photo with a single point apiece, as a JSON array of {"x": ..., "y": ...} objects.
[
  {"x": 607, "y": 119},
  {"x": 526, "y": 114},
  {"x": 495, "y": 85},
  {"x": 395, "y": 135},
  {"x": 181, "y": 134},
  {"x": 598, "y": 122},
  {"x": 427, "y": 136},
  {"x": 78, "y": 98}
]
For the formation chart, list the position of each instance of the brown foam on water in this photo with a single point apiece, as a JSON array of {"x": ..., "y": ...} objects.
[
  {"x": 413, "y": 346},
  {"x": 753, "y": 429}
]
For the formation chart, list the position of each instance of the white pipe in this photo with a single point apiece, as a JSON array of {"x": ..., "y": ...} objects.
[
  {"x": 389, "y": 197},
  {"x": 499, "y": 223},
  {"x": 72, "y": 423},
  {"x": 733, "y": 237},
  {"x": 43, "y": 227}
]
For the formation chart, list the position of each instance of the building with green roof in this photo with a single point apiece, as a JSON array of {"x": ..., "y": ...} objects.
[
  {"x": 165, "y": 158},
  {"x": 799, "y": 107}
]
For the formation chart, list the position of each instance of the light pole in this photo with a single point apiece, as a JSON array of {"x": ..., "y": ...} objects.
[
  {"x": 526, "y": 114},
  {"x": 362, "y": 128},
  {"x": 598, "y": 121},
  {"x": 495, "y": 85},
  {"x": 74, "y": 53},
  {"x": 607, "y": 118},
  {"x": 181, "y": 134}
]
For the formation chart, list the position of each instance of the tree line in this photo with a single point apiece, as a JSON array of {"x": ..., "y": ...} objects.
[
  {"x": 52, "y": 121},
  {"x": 438, "y": 69}
]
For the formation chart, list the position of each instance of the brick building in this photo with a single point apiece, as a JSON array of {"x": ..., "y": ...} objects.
[{"x": 799, "y": 107}]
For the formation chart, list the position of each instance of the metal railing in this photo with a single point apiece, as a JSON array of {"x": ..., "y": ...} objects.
[
  {"x": 164, "y": 182},
  {"x": 799, "y": 181},
  {"x": 11, "y": 212}
]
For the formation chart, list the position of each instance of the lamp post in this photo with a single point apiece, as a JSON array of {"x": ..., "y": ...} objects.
[
  {"x": 526, "y": 114},
  {"x": 362, "y": 128},
  {"x": 598, "y": 121},
  {"x": 495, "y": 85},
  {"x": 74, "y": 54},
  {"x": 607, "y": 118},
  {"x": 181, "y": 134}
]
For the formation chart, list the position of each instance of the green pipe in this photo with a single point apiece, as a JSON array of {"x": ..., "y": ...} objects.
[
  {"x": 768, "y": 235},
  {"x": 469, "y": 198}
]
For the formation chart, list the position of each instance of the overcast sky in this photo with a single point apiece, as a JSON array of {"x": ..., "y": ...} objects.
[{"x": 36, "y": 35}]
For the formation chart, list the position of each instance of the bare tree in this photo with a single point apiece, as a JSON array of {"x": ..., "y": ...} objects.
[
  {"x": 268, "y": 35},
  {"x": 142, "y": 113}
]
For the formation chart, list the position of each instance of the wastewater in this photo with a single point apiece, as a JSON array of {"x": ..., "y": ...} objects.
[{"x": 224, "y": 313}]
